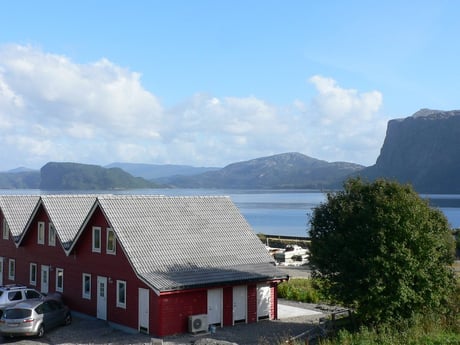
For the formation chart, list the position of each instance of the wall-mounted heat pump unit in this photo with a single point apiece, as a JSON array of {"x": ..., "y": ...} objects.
[{"x": 198, "y": 323}]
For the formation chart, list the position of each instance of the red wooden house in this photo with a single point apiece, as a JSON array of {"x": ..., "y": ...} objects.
[
  {"x": 159, "y": 265},
  {"x": 15, "y": 211}
]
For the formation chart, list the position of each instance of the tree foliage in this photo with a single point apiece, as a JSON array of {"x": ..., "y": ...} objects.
[{"x": 382, "y": 250}]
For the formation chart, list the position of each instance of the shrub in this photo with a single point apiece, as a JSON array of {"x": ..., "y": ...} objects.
[
  {"x": 300, "y": 290},
  {"x": 382, "y": 251}
]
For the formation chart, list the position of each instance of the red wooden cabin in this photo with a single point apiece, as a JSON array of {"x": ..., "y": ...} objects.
[{"x": 156, "y": 264}]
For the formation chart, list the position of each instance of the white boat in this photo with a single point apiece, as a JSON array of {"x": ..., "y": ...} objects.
[{"x": 292, "y": 255}]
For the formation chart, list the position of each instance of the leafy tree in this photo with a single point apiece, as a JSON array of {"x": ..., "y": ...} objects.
[{"x": 381, "y": 249}]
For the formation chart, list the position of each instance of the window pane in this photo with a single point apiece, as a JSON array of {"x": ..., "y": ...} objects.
[
  {"x": 41, "y": 232},
  {"x": 96, "y": 239},
  {"x": 87, "y": 284},
  {"x": 121, "y": 293},
  {"x": 110, "y": 241},
  {"x": 59, "y": 279},
  {"x": 32, "y": 294},
  {"x": 51, "y": 235}
]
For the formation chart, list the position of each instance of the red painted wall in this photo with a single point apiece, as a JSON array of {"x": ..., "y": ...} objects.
[
  {"x": 252, "y": 303},
  {"x": 175, "y": 309},
  {"x": 273, "y": 302},
  {"x": 228, "y": 306},
  {"x": 30, "y": 251},
  {"x": 7, "y": 251},
  {"x": 114, "y": 267}
]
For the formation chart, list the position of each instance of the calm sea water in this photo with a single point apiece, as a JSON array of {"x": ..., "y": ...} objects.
[{"x": 276, "y": 212}]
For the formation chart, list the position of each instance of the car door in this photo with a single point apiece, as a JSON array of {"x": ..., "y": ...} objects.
[{"x": 50, "y": 314}]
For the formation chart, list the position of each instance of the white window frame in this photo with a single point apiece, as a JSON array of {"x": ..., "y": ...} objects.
[
  {"x": 97, "y": 231},
  {"x": 60, "y": 279},
  {"x": 86, "y": 293},
  {"x": 6, "y": 230},
  {"x": 41, "y": 232},
  {"x": 11, "y": 269},
  {"x": 33, "y": 274},
  {"x": 121, "y": 295},
  {"x": 112, "y": 251},
  {"x": 51, "y": 235}
]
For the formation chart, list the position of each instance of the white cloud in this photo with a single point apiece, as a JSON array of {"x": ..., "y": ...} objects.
[{"x": 53, "y": 109}]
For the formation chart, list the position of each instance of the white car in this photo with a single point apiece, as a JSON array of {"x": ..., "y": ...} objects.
[{"x": 13, "y": 294}]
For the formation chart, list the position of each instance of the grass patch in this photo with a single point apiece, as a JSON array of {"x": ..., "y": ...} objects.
[
  {"x": 300, "y": 290},
  {"x": 427, "y": 329},
  {"x": 456, "y": 267}
]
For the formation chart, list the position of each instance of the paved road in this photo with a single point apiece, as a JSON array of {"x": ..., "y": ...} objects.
[{"x": 296, "y": 271}]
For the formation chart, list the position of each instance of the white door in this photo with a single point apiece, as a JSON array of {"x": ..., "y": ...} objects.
[
  {"x": 144, "y": 310},
  {"x": 102, "y": 298},
  {"x": 215, "y": 307},
  {"x": 240, "y": 298},
  {"x": 44, "y": 279},
  {"x": 263, "y": 302},
  {"x": 1, "y": 271}
]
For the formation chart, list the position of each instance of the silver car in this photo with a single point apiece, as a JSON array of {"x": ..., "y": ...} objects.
[
  {"x": 34, "y": 317},
  {"x": 13, "y": 294}
]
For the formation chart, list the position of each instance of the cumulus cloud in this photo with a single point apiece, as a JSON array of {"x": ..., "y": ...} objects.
[
  {"x": 54, "y": 109},
  {"x": 351, "y": 127}
]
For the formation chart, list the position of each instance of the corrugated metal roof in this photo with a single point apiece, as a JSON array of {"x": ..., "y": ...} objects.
[
  {"x": 179, "y": 242},
  {"x": 17, "y": 210},
  {"x": 67, "y": 213}
]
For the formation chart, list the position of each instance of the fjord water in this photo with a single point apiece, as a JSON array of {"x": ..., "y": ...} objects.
[{"x": 272, "y": 212}]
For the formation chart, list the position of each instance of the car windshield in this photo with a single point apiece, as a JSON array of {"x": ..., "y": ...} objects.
[
  {"x": 1, "y": 293},
  {"x": 17, "y": 313}
]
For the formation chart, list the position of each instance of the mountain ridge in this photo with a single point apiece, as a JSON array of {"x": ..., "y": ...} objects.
[{"x": 284, "y": 170}]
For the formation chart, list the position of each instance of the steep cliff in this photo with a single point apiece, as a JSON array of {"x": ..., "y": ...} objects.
[{"x": 423, "y": 150}]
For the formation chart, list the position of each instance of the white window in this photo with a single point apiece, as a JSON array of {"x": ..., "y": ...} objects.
[
  {"x": 86, "y": 288},
  {"x": 96, "y": 239},
  {"x": 11, "y": 269},
  {"x": 51, "y": 235},
  {"x": 59, "y": 279},
  {"x": 41, "y": 233},
  {"x": 111, "y": 242},
  {"x": 33, "y": 274},
  {"x": 6, "y": 230},
  {"x": 121, "y": 294}
]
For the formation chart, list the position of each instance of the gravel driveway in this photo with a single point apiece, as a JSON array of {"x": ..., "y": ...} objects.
[{"x": 86, "y": 331}]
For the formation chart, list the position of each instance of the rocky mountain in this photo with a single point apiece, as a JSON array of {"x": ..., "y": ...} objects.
[
  {"x": 421, "y": 150},
  {"x": 75, "y": 176},
  {"x": 154, "y": 171},
  {"x": 286, "y": 170}
]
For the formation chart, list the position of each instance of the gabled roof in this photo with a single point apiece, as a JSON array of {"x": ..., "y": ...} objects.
[
  {"x": 67, "y": 213},
  {"x": 183, "y": 242},
  {"x": 17, "y": 210}
]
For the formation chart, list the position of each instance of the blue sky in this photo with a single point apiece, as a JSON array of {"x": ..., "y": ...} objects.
[{"x": 209, "y": 83}]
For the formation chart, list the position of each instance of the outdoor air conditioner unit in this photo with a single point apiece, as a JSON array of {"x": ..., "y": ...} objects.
[{"x": 198, "y": 323}]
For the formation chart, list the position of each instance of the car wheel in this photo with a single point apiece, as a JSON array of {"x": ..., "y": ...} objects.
[
  {"x": 41, "y": 331},
  {"x": 68, "y": 319}
]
